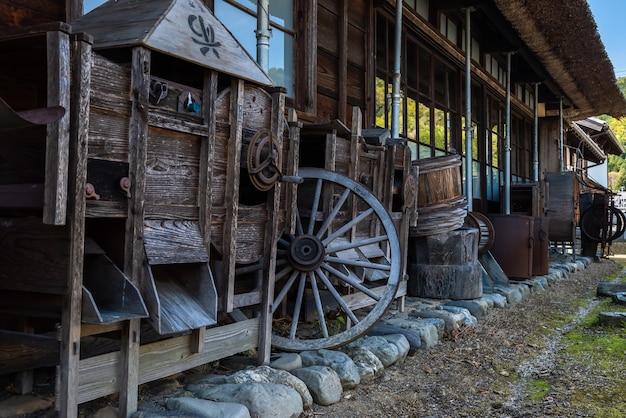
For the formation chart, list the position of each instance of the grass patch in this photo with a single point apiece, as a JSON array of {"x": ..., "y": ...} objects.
[
  {"x": 537, "y": 389},
  {"x": 601, "y": 350}
]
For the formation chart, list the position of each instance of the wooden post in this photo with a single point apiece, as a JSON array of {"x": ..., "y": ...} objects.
[
  {"x": 77, "y": 150},
  {"x": 231, "y": 199},
  {"x": 207, "y": 156},
  {"x": 293, "y": 160},
  {"x": 271, "y": 239},
  {"x": 57, "y": 133},
  {"x": 134, "y": 251}
]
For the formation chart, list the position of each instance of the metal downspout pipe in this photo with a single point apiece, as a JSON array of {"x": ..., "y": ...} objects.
[
  {"x": 263, "y": 33},
  {"x": 395, "y": 84},
  {"x": 507, "y": 145},
  {"x": 536, "y": 136},
  {"x": 469, "y": 130}
]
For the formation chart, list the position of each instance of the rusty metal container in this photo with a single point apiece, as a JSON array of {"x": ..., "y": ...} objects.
[{"x": 513, "y": 245}]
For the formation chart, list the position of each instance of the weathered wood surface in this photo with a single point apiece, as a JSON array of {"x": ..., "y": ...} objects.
[
  {"x": 77, "y": 149},
  {"x": 133, "y": 245},
  {"x": 172, "y": 168},
  {"x": 30, "y": 12},
  {"x": 99, "y": 376},
  {"x": 168, "y": 242},
  {"x": 57, "y": 133},
  {"x": 445, "y": 266},
  {"x": 33, "y": 256}
]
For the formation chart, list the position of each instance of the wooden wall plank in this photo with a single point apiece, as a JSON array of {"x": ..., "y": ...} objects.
[
  {"x": 99, "y": 376},
  {"x": 33, "y": 256}
]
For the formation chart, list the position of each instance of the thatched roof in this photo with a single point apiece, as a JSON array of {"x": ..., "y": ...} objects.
[{"x": 564, "y": 37}]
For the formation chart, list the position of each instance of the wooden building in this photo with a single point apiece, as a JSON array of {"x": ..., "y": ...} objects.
[{"x": 135, "y": 166}]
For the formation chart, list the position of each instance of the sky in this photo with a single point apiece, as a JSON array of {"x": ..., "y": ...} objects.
[{"x": 610, "y": 16}]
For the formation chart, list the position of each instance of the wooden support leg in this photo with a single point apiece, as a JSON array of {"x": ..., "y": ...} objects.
[{"x": 129, "y": 381}]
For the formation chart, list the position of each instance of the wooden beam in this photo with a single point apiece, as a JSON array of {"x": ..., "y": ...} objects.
[
  {"x": 271, "y": 239},
  {"x": 99, "y": 376},
  {"x": 134, "y": 250},
  {"x": 207, "y": 157},
  {"x": 231, "y": 198},
  {"x": 77, "y": 149},
  {"x": 57, "y": 133}
]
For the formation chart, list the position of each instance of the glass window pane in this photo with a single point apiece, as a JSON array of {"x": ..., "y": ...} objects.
[
  {"x": 281, "y": 60},
  {"x": 242, "y": 25},
  {"x": 476, "y": 179},
  {"x": 440, "y": 129},
  {"x": 424, "y": 124},
  {"x": 381, "y": 98},
  {"x": 411, "y": 115},
  {"x": 281, "y": 13},
  {"x": 250, "y": 4}
]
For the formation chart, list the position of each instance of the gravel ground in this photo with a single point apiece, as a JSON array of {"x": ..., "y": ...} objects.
[{"x": 485, "y": 371}]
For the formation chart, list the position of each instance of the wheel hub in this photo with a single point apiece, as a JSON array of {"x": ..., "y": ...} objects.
[{"x": 306, "y": 252}]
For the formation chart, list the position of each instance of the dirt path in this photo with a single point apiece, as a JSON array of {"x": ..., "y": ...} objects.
[{"x": 511, "y": 365}]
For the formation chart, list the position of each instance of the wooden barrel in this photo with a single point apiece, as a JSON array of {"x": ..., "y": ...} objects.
[
  {"x": 439, "y": 180},
  {"x": 445, "y": 266},
  {"x": 441, "y": 205}
]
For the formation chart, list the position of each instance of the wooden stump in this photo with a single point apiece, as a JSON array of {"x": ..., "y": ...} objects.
[{"x": 445, "y": 266}]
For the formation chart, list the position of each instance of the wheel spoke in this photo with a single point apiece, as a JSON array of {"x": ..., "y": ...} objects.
[
  {"x": 347, "y": 226},
  {"x": 318, "y": 304},
  {"x": 283, "y": 292},
  {"x": 333, "y": 213},
  {"x": 355, "y": 244},
  {"x": 349, "y": 280},
  {"x": 336, "y": 295},
  {"x": 315, "y": 207},
  {"x": 299, "y": 223},
  {"x": 298, "y": 305},
  {"x": 357, "y": 263},
  {"x": 283, "y": 242}
]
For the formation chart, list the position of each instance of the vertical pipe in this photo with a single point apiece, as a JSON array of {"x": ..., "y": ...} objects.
[
  {"x": 507, "y": 145},
  {"x": 536, "y": 136},
  {"x": 395, "y": 86},
  {"x": 561, "y": 165},
  {"x": 263, "y": 33},
  {"x": 469, "y": 131}
]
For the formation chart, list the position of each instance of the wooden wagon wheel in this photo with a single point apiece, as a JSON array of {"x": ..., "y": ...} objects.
[{"x": 335, "y": 265}]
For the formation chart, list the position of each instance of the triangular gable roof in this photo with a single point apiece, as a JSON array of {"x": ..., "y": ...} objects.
[{"x": 184, "y": 29}]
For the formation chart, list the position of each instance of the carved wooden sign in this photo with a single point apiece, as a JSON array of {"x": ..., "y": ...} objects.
[{"x": 184, "y": 29}]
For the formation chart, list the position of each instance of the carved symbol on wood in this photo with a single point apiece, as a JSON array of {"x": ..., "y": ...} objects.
[{"x": 206, "y": 32}]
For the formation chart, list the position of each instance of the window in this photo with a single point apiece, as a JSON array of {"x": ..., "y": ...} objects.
[
  {"x": 429, "y": 117},
  {"x": 239, "y": 16}
]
